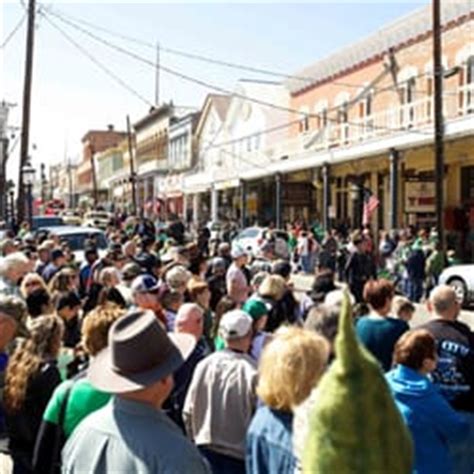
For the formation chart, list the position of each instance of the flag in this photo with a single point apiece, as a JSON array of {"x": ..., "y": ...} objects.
[{"x": 370, "y": 204}]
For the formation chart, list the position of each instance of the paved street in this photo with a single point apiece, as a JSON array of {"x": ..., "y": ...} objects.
[{"x": 303, "y": 283}]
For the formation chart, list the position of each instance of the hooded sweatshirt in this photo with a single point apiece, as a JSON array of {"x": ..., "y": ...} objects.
[{"x": 430, "y": 418}]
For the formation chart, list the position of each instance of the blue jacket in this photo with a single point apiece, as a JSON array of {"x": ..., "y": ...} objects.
[
  {"x": 431, "y": 420},
  {"x": 269, "y": 443}
]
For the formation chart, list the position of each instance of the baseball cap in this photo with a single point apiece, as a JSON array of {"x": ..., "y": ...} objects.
[
  {"x": 15, "y": 308},
  {"x": 131, "y": 271},
  {"x": 235, "y": 324},
  {"x": 256, "y": 308},
  {"x": 145, "y": 284}
]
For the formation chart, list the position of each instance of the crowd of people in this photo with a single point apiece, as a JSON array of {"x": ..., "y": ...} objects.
[{"x": 170, "y": 354}]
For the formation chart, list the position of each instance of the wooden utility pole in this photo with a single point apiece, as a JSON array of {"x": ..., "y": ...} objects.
[
  {"x": 25, "y": 126},
  {"x": 438, "y": 124},
  {"x": 94, "y": 176},
  {"x": 133, "y": 177}
]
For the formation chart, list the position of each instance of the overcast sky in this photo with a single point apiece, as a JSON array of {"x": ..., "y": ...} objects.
[{"x": 71, "y": 94}]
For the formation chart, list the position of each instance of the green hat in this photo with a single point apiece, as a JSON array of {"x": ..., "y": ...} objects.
[
  {"x": 256, "y": 308},
  {"x": 355, "y": 426}
]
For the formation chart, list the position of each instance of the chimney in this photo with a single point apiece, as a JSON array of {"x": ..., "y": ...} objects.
[{"x": 110, "y": 127}]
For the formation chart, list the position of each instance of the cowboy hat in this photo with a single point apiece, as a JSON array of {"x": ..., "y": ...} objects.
[{"x": 140, "y": 353}]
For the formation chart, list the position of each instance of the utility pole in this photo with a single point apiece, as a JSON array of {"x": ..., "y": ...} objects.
[
  {"x": 25, "y": 128},
  {"x": 69, "y": 172},
  {"x": 438, "y": 123},
  {"x": 94, "y": 177},
  {"x": 132, "y": 167},
  {"x": 157, "y": 76}
]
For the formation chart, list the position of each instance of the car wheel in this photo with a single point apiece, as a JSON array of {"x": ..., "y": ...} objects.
[{"x": 459, "y": 287}]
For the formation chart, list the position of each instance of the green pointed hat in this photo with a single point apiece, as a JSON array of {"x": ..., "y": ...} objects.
[{"x": 355, "y": 426}]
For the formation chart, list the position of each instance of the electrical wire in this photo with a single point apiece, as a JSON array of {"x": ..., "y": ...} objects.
[
  {"x": 207, "y": 85},
  {"x": 104, "y": 68},
  {"x": 13, "y": 32},
  {"x": 215, "y": 61}
]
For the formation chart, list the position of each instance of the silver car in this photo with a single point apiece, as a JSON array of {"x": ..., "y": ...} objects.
[{"x": 461, "y": 279}]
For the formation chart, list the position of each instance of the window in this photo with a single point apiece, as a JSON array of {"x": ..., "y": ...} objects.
[
  {"x": 304, "y": 124},
  {"x": 470, "y": 85},
  {"x": 408, "y": 97}
]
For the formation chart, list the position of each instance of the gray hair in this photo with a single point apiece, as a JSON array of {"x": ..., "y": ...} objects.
[
  {"x": 177, "y": 276},
  {"x": 442, "y": 299},
  {"x": 324, "y": 320},
  {"x": 8, "y": 263},
  {"x": 186, "y": 309}
]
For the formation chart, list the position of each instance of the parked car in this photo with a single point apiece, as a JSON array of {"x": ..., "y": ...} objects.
[
  {"x": 42, "y": 222},
  {"x": 99, "y": 219},
  {"x": 461, "y": 279},
  {"x": 252, "y": 237},
  {"x": 76, "y": 238},
  {"x": 71, "y": 217}
]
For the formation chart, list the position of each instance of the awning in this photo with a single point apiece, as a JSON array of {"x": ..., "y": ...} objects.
[{"x": 227, "y": 184}]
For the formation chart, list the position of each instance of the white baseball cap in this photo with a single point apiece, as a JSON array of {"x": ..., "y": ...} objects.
[
  {"x": 237, "y": 251},
  {"x": 235, "y": 324}
]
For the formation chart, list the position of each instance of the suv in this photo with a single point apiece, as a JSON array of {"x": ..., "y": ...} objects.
[{"x": 41, "y": 222}]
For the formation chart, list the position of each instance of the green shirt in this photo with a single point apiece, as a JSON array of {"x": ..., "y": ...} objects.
[{"x": 83, "y": 400}]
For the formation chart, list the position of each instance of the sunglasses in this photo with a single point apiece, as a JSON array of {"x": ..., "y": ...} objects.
[{"x": 32, "y": 283}]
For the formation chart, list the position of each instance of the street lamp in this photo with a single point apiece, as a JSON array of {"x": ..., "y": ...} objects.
[{"x": 28, "y": 173}]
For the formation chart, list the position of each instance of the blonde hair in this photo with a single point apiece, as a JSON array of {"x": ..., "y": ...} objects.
[
  {"x": 272, "y": 286},
  {"x": 290, "y": 367},
  {"x": 27, "y": 279},
  {"x": 62, "y": 280},
  {"x": 44, "y": 341},
  {"x": 107, "y": 274},
  {"x": 96, "y": 325}
]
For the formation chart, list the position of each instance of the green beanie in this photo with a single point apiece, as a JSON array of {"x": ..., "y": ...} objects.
[{"x": 355, "y": 426}]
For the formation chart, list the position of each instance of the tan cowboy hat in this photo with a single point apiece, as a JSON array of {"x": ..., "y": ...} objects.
[{"x": 140, "y": 353}]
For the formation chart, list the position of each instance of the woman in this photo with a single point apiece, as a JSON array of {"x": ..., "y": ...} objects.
[
  {"x": 109, "y": 279},
  {"x": 82, "y": 397},
  {"x": 31, "y": 282},
  {"x": 378, "y": 331},
  {"x": 258, "y": 311},
  {"x": 199, "y": 293},
  {"x": 30, "y": 380},
  {"x": 272, "y": 291},
  {"x": 291, "y": 365},
  {"x": 225, "y": 305},
  {"x": 66, "y": 279},
  {"x": 430, "y": 418}
]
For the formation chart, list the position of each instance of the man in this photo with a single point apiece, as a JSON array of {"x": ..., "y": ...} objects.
[
  {"x": 12, "y": 269},
  {"x": 360, "y": 268},
  {"x": 67, "y": 306},
  {"x": 189, "y": 320},
  {"x": 85, "y": 273},
  {"x": 44, "y": 257},
  {"x": 131, "y": 434},
  {"x": 263, "y": 261},
  {"x": 221, "y": 398},
  {"x": 454, "y": 373},
  {"x": 7, "y": 246},
  {"x": 236, "y": 282},
  {"x": 146, "y": 295},
  {"x": 58, "y": 260}
]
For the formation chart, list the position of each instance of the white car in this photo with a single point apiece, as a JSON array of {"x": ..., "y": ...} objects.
[
  {"x": 461, "y": 279},
  {"x": 252, "y": 237},
  {"x": 99, "y": 219},
  {"x": 76, "y": 238}
]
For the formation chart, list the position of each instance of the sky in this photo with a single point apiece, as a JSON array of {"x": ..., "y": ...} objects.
[{"x": 72, "y": 95}]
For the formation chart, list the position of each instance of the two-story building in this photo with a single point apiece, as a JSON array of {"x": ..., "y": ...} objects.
[
  {"x": 182, "y": 154},
  {"x": 367, "y": 123},
  {"x": 93, "y": 143}
]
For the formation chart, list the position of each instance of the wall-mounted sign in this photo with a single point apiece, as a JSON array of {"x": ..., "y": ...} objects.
[{"x": 419, "y": 196}]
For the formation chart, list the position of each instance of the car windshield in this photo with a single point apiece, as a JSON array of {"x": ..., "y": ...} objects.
[
  {"x": 249, "y": 233},
  {"x": 78, "y": 241},
  {"x": 47, "y": 222}
]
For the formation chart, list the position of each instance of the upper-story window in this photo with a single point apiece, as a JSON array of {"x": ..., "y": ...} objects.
[
  {"x": 407, "y": 81},
  {"x": 469, "y": 85},
  {"x": 303, "y": 125}
]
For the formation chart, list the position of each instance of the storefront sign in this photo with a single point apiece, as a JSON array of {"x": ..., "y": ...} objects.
[{"x": 419, "y": 196}]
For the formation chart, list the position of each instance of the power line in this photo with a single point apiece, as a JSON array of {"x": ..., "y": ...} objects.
[
  {"x": 104, "y": 68},
  {"x": 13, "y": 32},
  {"x": 219, "y": 62},
  {"x": 223, "y": 90}
]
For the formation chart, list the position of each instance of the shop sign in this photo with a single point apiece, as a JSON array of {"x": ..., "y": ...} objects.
[{"x": 420, "y": 196}]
